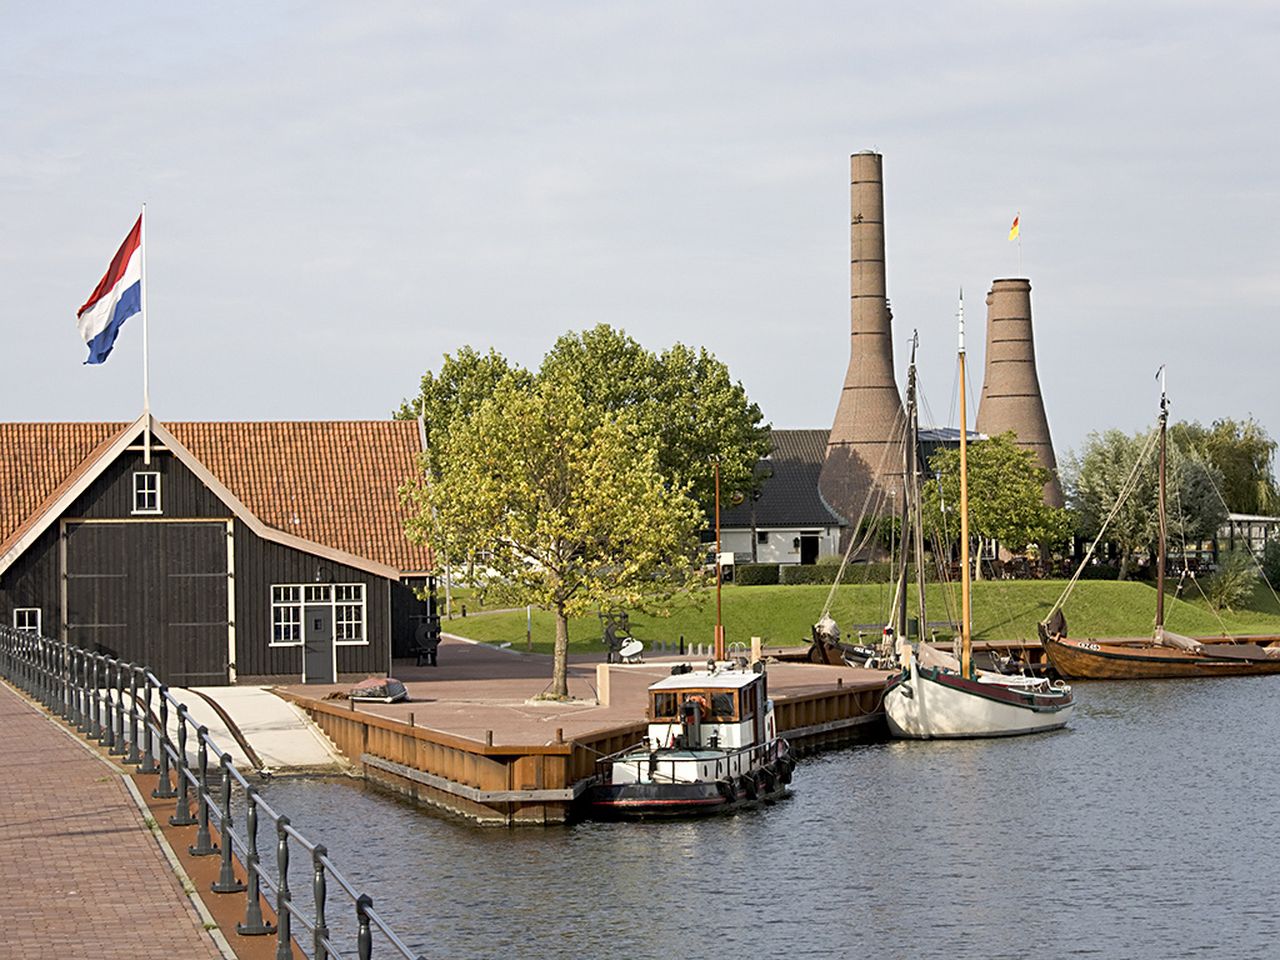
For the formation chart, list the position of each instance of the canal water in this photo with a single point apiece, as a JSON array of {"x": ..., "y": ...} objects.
[{"x": 1145, "y": 830}]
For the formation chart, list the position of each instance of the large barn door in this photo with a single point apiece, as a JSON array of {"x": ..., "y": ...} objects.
[{"x": 152, "y": 592}]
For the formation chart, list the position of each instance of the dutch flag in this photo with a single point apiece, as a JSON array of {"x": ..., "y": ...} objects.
[{"x": 117, "y": 297}]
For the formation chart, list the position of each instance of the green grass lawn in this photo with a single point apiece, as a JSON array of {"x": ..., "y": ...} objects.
[{"x": 1003, "y": 610}]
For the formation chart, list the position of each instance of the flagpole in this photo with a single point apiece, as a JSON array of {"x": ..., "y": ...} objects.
[{"x": 146, "y": 366}]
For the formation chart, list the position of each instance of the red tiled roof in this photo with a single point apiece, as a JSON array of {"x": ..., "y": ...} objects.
[{"x": 334, "y": 483}]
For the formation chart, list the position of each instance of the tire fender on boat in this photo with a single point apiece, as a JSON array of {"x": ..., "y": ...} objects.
[
  {"x": 727, "y": 790},
  {"x": 749, "y": 786}
]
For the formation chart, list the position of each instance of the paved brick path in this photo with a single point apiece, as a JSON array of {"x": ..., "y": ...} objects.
[{"x": 83, "y": 876}]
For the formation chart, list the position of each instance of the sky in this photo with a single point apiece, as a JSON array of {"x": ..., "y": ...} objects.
[{"x": 339, "y": 194}]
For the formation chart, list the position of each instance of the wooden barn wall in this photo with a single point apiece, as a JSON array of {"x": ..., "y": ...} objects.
[
  {"x": 182, "y": 494},
  {"x": 32, "y": 581},
  {"x": 258, "y": 565},
  {"x": 405, "y": 609}
]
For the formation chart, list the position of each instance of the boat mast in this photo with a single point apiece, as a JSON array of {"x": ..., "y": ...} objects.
[
  {"x": 719, "y": 637},
  {"x": 966, "y": 639},
  {"x": 1162, "y": 542},
  {"x": 913, "y": 478}
]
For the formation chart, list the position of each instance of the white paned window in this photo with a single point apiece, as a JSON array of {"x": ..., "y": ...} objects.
[
  {"x": 146, "y": 492},
  {"x": 27, "y": 619},
  {"x": 286, "y": 616},
  {"x": 346, "y": 599},
  {"x": 348, "y": 613}
]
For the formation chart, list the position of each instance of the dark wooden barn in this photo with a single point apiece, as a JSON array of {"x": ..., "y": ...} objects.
[{"x": 214, "y": 552}]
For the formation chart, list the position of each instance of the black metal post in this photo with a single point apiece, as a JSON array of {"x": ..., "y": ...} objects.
[
  {"x": 204, "y": 845},
  {"x": 117, "y": 746},
  {"x": 226, "y": 882},
  {"x": 319, "y": 890},
  {"x": 134, "y": 756},
  {"x": 149, "y": 738},
  {"x": 182, "y": 815},
  {"x": 364, "y": 938},
  {"x": 284, "y": 951},
  {"x": 163, "y": 790},
  {"x": 108, "y": 735},
  {"x": 253, "y": 925},
  {"x": 95, "y": 722},
  {"x": 64, "y": 687}
]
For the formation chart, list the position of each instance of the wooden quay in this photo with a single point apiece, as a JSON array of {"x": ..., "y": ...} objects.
[{"x": 474, "y": 739}]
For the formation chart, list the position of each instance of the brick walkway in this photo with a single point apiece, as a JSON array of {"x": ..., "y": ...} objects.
[{"x": 83, "y": 875}]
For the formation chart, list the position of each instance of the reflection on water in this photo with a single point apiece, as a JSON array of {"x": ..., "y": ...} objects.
[{"x": 1142, "y": 831}]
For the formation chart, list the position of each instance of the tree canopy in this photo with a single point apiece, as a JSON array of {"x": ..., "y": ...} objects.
[
  {"x": 1006, "y": 495},
  {"x": 1242, "y": 453},
  {"x": 566, "y": 506},
  {"x": 1096, "y": 476}
]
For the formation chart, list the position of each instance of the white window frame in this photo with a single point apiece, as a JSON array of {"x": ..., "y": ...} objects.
[
  {"x": 323, "y": 595},
  {"x": 139, "y": 475},
  {"x": 27, "y": 629}
]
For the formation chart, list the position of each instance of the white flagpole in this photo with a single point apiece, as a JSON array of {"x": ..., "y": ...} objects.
[{"x": 146, "y": 367}]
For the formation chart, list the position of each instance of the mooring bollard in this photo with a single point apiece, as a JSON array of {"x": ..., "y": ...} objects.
[
  {"x": 134, "y": 756},
  {"x": 117, "y": 747},
  {"x": 284, "y": 951},
  {"x": 319, "y": 890},
  {"x": 364, "y": 937},
  {"x": 182, "y": 814},
  {"x": 204, "y": 845},
  {"x": 253, "y": 925},
  {"x": 149, "y": 737},
  {"x": 226, "y": 882},
  {"x": 163, "y": 790}
]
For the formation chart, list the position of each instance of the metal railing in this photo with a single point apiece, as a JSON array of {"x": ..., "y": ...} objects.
[{"x": 110, "y": 702}]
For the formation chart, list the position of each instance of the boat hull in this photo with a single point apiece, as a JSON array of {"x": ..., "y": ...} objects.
[
  {"x": 657, "y": 800},
  {"x": 1091, "y": 660},
  {"x": 928, "y": 704}
]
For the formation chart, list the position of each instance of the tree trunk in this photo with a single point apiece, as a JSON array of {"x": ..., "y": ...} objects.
[
  {"x": 560, "y": 668},
  {"x": 977, "y": 561},
  {"x": 1124, "y": 565}
]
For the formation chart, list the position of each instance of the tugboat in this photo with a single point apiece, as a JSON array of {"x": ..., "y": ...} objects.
[{"x": 712, "y": 746}]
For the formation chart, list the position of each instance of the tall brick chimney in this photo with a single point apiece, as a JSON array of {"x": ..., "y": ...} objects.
[
  {"x": 865, "y": 445},
  {"x": 1011, "y": 397}
]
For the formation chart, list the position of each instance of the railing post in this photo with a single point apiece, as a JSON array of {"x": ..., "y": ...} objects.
[
  {"x": 253, "y": 925},
  {"x": 163, "y": 790},
  {"x": 284, "y": 950},
  {"x": 182, "y": 815},
  {"x": 364, "y": 937},
  {"x": 64, "y": 669},
  {"x": 108, "y": 736},
  {"x": 118, "y": 724},
  {"x": 134, "y": 756},
  {"x": 319, "y": 890},
  {"x": 95, "y": 720},
  {"x": 226, "y": 882},
  {"x": 149, "y": 740},
  {"x": 204, "y": 845}
]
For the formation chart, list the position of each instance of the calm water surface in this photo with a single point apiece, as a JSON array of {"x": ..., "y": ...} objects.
[{"x": 1145, "y": 830}]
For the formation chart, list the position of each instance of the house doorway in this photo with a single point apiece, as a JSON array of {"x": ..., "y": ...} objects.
[
  {"x": 808, "y": 548},
  {"x": 319, "y": 663}
]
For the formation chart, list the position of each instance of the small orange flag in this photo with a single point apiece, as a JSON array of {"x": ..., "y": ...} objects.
[{"x": 1013, "y": 230}]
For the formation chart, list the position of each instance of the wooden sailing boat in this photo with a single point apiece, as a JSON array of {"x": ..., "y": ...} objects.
[
  {"x": 1166, "y": 654},
  {"x": 934, "y": 696}
]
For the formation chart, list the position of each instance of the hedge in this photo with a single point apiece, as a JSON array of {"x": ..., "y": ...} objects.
[{"x": 756, "y": 574}]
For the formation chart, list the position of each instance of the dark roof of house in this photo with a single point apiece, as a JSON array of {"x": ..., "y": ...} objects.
[
  {"x": 331, "y": 483},
  {"x": 789, "y": 497}
]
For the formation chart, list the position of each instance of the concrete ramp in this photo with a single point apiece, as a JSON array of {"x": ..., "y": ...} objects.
[{"x": 260, "y": 730}]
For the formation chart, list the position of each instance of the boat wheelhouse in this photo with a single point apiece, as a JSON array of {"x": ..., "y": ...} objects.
[{"x": 712, "y": 744}]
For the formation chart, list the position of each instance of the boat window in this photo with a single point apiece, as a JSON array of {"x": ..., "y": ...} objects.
[
  {"x": 665, "y": 706},
  {"x": 722, "y": 706}
]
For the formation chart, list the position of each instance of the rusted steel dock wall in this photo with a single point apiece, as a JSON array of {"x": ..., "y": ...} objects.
[{"x": 505, "y": 784}]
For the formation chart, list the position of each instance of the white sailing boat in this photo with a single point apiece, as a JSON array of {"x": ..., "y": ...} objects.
[{"x": 937, "y": 696}]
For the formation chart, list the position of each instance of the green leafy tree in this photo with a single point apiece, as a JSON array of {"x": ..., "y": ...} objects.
[
  {"x": 685, "y": 399},
  {"x": 1242, "y": 453},
  {"x": 1233, "y": 585},
  {"x": 568, "y": 507},
  {"x": 1095, "y": 478},
  {"x": 1006, "y": 495}
]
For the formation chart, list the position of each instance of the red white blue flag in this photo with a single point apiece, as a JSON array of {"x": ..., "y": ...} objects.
[{"x": 117, "y": 297}]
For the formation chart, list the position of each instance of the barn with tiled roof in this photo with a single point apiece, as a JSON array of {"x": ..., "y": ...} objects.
[{"x": 214, "y": 552}]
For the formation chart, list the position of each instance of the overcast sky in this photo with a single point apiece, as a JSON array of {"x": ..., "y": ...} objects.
[{"x": 338, "y": 194}]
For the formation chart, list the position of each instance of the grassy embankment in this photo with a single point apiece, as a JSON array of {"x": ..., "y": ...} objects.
[{"x": 1003, "y": 610}]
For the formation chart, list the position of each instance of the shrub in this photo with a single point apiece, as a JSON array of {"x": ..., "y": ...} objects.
[
  {"x": 756, "y": 574},
  {"x": 1271, "y": 563},
  {"x": 795, "y": 574},
  {"x": 1234, "y": 582},
  {"x": 1100, "y": 571}
]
